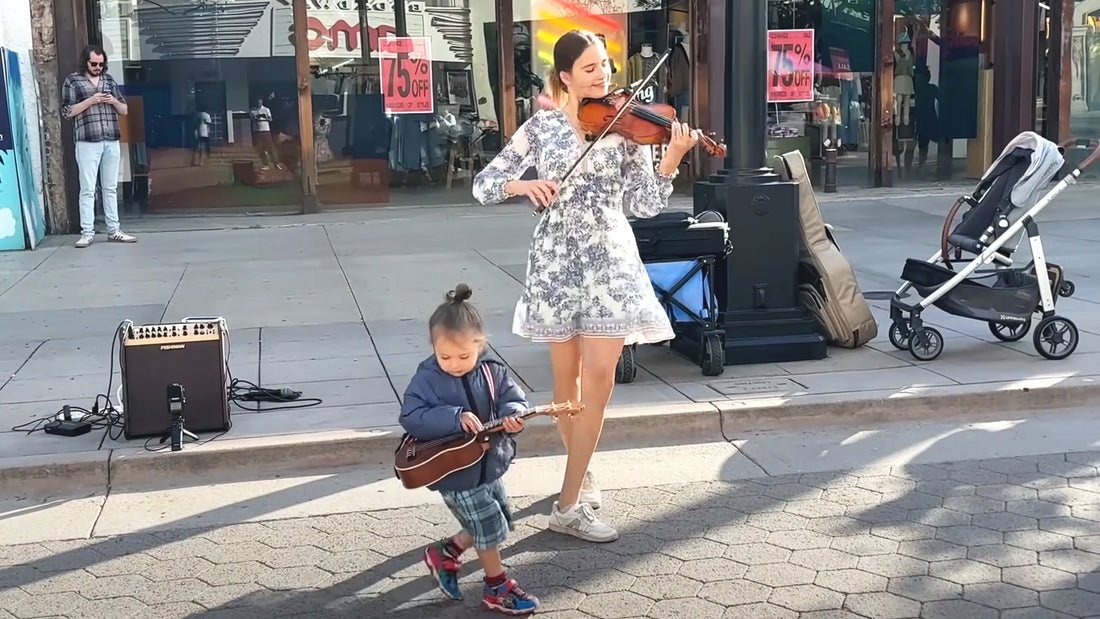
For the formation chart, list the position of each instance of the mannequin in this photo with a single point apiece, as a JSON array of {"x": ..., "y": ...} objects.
[
  {"x": 903, "y": 79},
  {"x": 639, "y": 66}
]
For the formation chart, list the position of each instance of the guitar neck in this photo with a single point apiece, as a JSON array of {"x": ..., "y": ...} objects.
[{"x": 497, "y": 425}]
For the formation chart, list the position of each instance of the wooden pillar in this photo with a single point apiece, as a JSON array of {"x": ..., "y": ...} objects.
[
  {"x": 71, "y": 32},
  {"x": 1059, "y": 85},
  {"x": 308, "y": 168},
  {"x": 710, "y": 103},
  {"x": 506, "y": 42},
  {"x": 882, "y": 111},
  {"x": 1015, "y": 23},
  {"x": 699, "y": 10}
]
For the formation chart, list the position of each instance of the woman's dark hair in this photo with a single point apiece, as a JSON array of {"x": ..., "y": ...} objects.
[
  {"x": 86, "y": 55},
  {"x": 566, "y": 52},
  {"x": 455, "y": 315}
]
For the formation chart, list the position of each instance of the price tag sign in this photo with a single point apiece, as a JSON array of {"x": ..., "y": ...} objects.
[
  {"x": 790, "y": 66},
  {"x": 406, "y": 64}
]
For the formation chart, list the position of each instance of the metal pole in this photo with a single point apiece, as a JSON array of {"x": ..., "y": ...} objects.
[{"x": 746, "y": 83}]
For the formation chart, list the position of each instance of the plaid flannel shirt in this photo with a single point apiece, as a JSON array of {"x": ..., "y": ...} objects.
[{"x": 98, "y": 123}]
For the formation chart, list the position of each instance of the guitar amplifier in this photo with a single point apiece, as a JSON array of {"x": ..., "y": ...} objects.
[{"x": 191, "y": 353}]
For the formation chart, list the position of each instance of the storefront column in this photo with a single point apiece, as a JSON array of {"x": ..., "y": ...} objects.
[
  {"x": 506, "y": 19},
  {"x": 71, "y": 35},
  {"x": 1059, "y": 84},
  {"x": 1015, "y": 28},
  {"x": 305, "y": 109},
  {"x": 700, "y": 81},
  {"x": 882, "y": 110}
]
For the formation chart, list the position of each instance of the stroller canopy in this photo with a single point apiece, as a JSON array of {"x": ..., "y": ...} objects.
[
  {"x": 1044, "y": 161},
  {"x": 1015, "y": 180}
]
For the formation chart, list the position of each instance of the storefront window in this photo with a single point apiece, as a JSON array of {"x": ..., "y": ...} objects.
[
  {"x": 938, "y": 90},
  {"x": 213, "y": 120},
  {"x": 840, "y": 102},
  {"x": 636, "y": 32},
  {"x": 388, "y": 128},
  {"x": 1085, "y": 76}
]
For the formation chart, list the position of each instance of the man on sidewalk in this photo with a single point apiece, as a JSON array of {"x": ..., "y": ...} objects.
[{"x": 91, "y": 98}]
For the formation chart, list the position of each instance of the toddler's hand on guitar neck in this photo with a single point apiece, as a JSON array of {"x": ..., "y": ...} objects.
[
  {"x": 513, "y": 425},
  {"x": 469, "y": 422}
]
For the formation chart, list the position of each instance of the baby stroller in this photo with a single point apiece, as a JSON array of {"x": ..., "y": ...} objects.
[
  {"x": 679, "y": 253},
  {"x": 1005, "y": 296}
]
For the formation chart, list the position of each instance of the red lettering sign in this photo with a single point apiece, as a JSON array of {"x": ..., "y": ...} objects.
[
  {"x": 790, "y": 66},
  {"x": 406, "y": 64},
  {"x": 320, "y": 35}
]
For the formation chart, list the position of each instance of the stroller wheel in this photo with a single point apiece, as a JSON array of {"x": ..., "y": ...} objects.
[
  {"x": 626, "y": 370},
  {"x": 901, "y": 342},
  {"x": 928, "y": 347},
  {"x": 714, "y": 355},
  {"x": 1067, "y": 289},
  {"x": 1010, "y": 333},
  {"x": 1056, "y": 337}
]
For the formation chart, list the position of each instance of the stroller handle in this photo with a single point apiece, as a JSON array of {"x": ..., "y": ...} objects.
[{"x": 1092, "y": 143}]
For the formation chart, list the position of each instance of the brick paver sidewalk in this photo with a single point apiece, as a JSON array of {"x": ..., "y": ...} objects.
[{"x": 1007, "y": 539}]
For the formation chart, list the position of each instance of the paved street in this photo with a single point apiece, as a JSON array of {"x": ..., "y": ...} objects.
[{"x": 1007, "y": 538}]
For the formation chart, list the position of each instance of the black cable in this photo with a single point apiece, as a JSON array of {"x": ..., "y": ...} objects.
[{"x": 109, "y": 418}]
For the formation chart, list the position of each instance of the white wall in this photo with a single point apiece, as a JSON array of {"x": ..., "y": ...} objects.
[{"x": 15, "y": 34}]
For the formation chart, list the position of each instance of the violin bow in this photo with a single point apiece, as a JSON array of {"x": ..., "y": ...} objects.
[{"x": 633, "y": 96}]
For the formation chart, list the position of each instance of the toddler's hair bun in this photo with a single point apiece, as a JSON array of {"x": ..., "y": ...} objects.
[{"x": 461, "y": 293}]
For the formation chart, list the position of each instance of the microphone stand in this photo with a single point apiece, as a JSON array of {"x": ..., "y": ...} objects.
[{"x": 622, "y": 110}]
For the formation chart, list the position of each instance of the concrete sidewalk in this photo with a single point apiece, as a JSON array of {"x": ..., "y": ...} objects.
[{"x": 335, "y": 306}]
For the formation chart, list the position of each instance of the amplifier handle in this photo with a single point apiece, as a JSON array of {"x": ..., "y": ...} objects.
[{"x": 191, "y": 319}]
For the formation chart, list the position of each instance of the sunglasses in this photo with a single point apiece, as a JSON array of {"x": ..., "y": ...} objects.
[{"x": 96, "y": 64}]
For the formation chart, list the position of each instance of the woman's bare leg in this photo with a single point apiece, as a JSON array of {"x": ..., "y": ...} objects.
[
  {"x": 565, "y": 361},
  {"x": 598, "y": 357}
]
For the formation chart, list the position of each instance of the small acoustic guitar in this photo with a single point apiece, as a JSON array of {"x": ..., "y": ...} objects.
[{"x": 420, "y": 464}]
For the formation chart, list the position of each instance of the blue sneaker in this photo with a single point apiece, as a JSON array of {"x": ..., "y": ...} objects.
[
  {"x": 445, "y": 569},
  {"x": 509, "y": 599}
]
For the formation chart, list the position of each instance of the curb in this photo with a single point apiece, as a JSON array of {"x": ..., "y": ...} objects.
[{"x": 660, "y": 425}]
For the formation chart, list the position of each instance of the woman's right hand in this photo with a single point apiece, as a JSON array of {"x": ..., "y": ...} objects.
[{"x": 540, "y": 192}]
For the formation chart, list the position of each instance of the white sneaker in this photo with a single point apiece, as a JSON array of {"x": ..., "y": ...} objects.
[
  {"x": 85, "y": 240},
  {"x": 580, "y": 521},
  {"x": 118, "y": 236},
  {"x": 590, "y": 492}
]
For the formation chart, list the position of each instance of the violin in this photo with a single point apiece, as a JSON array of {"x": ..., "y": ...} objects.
[{"x": 642, "y": 123}]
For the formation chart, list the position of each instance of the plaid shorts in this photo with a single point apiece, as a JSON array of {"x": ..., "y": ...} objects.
[{"x": 483, "y": 512}]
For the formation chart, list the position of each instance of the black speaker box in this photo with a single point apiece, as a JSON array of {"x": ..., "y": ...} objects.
[{"x": 189, "y": 353}]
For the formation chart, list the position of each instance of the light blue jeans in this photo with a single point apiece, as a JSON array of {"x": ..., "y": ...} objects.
[{"x": 98, "y": 159}]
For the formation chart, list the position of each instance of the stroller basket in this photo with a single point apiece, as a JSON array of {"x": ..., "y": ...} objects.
[{"x": 1014, "y": 293}]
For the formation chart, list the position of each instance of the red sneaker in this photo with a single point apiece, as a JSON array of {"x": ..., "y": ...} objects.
[{"x": 445, "y": 569}]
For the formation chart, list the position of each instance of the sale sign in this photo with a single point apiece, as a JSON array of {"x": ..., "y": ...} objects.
[
  {"x": 790, "y": 66},
  {"x": 406, "y": 64}
]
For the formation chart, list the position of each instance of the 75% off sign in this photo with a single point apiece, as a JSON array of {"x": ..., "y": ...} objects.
[
  {"x": 406, "y": 72},
  {"x": 790, "y": 66}
]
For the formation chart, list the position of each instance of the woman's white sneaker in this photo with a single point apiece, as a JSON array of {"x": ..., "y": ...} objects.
[
  {"x": 590, "y": 492},
  {"x": 580, "y": 521}
]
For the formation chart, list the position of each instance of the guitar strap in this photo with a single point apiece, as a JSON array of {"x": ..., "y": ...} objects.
[{"x": 492, "y": 391}]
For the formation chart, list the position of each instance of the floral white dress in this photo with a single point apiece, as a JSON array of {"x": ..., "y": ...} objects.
[{"x": 584, "y": 274}]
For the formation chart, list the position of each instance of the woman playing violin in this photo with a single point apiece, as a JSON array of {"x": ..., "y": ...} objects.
[{"x": 587, "y": 293}]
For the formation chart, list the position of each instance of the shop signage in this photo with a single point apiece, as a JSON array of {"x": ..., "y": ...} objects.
[
  {"x": 406, "y": 72},
  {"x": 790, "y": 66}
]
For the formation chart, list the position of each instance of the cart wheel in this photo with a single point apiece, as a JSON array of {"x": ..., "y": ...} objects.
[
  {"x": 928, "y": 349},
  {"x": 1056, "y": 337},
  {"x": 626, "y": 370},
  {"x": 714, "y": 356},
  {"x": 899, "y": 341},
  {"x": 1010, "y": 333},
  {"x": 1067, "y": 289}
]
